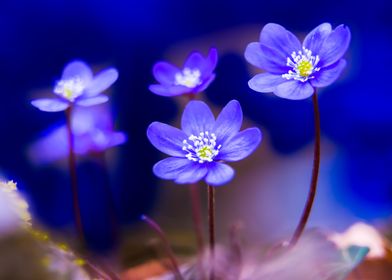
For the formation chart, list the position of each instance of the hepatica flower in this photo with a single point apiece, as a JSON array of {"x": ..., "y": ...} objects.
[
  {"x": 200, "y": 150},
  {"x": 78, "y": 86},
  {"x": 293, "y": 69},
  {"x": 193, "y": 77}
]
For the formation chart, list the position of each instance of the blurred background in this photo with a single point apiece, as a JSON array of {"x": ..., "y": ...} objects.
[{"x": 38, "y": 38}]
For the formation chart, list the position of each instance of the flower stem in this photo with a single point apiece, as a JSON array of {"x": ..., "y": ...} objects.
[
  {"x": 165, "y": 242},
  {"x": 211, "y": 228},
  {"x": 73, "y": 175},
  {"x": 196, "y": 215},
  {"x": 315, "y": 171}
]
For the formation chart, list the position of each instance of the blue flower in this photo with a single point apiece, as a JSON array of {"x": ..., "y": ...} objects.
[
  {"x": 199, "y": 150},
  {"x": 93, "y": 130},
  {"x": 194, "y": 77},
  {"x": 78, "y": 86},
  {"x": 294, "y": 70}
]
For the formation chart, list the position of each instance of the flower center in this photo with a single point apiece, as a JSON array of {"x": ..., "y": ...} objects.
[
  {"x": 303, "y": 64},
  {"x": 188, "y": 77},
  {"x": 201, "y": 148},
  {"x": 70, "y": 89}
]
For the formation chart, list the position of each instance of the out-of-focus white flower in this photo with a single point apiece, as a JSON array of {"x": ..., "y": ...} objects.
[
  {"x": 14, "y": 212},
  {"x": 361, "y": 234}
]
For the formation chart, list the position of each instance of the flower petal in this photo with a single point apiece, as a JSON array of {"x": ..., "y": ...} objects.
[
  {"x": 294, "y": 90},
  {"x": 328, "y": 75},
  {"x": 166, "y": 138},
  {"x": 197, "y": 117},
  {"x": 171, "y": 167},
  {"x": 50, "y": 105},
  {"x": 205, "y": 65},
  {"x": 165, "y": 72},
  {"x": 265, "y": 82},
  {"x": 266, "y": 58},
  {"x": 164, "y": 90},
  {"x": 101, "y": 82},
  {"x": 315, "y": 39},
  {"x": 334, "y": 46},
  {"x": 229, "y": 121},
  {"x": 205, "y": 84},
  {"x": 278, "y": 38},
  {"x": 192, "y": 173},
  {"x": 77, "y": 69},
  {"x": 90, "y": 101},
  {"x": 219, "y": 174},
  {"x": 241, "y": 145}
]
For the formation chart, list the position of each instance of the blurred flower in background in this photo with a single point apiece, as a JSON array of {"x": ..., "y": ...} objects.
[
  {"x": 93, "y": 129},
  {"x": 77, "y": 85},
  {"x": 195, "y": 76}
]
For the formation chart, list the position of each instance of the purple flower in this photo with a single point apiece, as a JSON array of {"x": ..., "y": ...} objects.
[
  {"x": 92, "y": 128},
  {"x": 195, "y": 75},
  {"x": 78, "y": 86},
  {"x": 200, "y": 149},
  {"x": 294, "y": 70}
]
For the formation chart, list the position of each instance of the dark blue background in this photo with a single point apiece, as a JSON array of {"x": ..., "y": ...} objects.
[{"x": 37, "y": 38}]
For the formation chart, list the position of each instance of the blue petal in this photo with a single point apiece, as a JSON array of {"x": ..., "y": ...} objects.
[
  {"x": 278, "y": 38},
  {"x": 170, "y": 168},
  {"x": 328, "y": 75},
  {"x": 164, "y": 90},
  {"x": 334, "y": 46},
  {"x": 50, "y": 105},
  {"x": 219, "y": 174},
  {"x": 315, "y": 39},
  {"x": 101, "y": 82},
  {"x": 77, "y": 69},
  {"x": 90, "y": 101},
  {"x": 266, "y": 58},
  {"x": 205, "y": 84},
  {"x": 241, "y": 145},
  {"x": 197, "y": 117},
  {"x": 192, "y": 173},
  {"x": 265, "y": 82},
  {"x": 205, "y": 65},
  {"x": 228, "y": 122},
  {"x": 166, "y": 138},
  {"x": 294, "y": 90},
  {"x": 165, "y": 72}
]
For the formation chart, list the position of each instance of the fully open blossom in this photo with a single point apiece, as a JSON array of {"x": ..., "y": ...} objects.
[
  {"x": 293, "y": 69},
  {"x": 78, "y": 86},
  {"x": 199, "y": 150},
  {"x": 195, "y": 75}
]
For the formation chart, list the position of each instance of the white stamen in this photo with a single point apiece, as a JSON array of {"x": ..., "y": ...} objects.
[
  {"x": 303, "y": 64},
  {"x": 203, "y": 147},
  {"x": 188, "y": 77},
  {"x": 70, "y": 89}
]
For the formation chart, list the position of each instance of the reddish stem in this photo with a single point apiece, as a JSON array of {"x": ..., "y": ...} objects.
[
  {"x": 211, "y": 228},
  {"x": 166, "y": 244},
  {"x": 73, "y": 175},
  {"x": 316, "y": 166}
]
